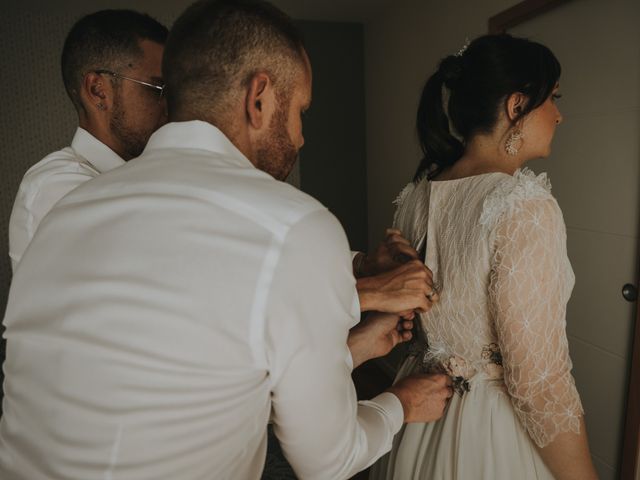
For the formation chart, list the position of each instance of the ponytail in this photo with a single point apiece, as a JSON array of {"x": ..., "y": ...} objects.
[
  {"x": 440, "y": 148},
  {"x": 478, "y": 81}
]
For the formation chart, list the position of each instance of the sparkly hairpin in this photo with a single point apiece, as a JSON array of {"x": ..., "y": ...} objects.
[{"x": 464, "y": 47}]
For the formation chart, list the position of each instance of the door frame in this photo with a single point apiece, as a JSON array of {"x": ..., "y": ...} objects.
[
  {"x": 500, "y": 23},
  {"x": 631, "y": 440},
  {"x": 520, "y": 13}
]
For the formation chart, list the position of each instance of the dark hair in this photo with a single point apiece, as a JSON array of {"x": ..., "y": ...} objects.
[
  {"x": 105, "y": 40},
  {"x": 478, "y": 81},
  {"x": 216, "y": 46}
]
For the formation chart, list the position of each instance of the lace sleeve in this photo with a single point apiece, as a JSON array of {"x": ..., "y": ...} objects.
[{"x": 531, "y": 281}]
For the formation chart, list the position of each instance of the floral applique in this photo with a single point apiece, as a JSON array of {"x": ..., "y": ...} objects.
[
  {"x": 436, "y": 359},
  {"x": 492, "y": 354},
  {"x": 523, "y": 185}
]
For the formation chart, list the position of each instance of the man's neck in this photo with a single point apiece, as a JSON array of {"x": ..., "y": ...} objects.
[
  {"x": 237, "y": 135},
  {"x": 103, "y": 134}
]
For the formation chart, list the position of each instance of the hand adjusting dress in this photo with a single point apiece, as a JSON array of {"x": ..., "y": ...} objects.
[{"x": 497, "y": 247}]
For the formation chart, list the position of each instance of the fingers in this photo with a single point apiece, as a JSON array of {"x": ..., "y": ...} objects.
[
  {"x": 394, "y": 235},
  {"x": 405, "y": 288},
  {"x": 404, "y": 328},
  {"x": 408, "y": 303},
  {"x": 424, "y": 397},
  {"x": 418, "y": 267},
  {"x": 404, "y": 325},
  {"x": 401, "y": 258},
  {"x": 421, "y": 303},
  {"x": 385, "y": 320},
  {"x": 401, "y": 252},
  {"x": 408, "y": 314},
  {"x": 447, "y": 382},
  {"x": 400, "y": 249},
  {"x": 422, "y": 284},
  {"x": 414, "y": 269}
]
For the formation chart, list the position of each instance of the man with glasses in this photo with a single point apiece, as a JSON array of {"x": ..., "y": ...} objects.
[
  {"x": 112, "y": 71},
  {"x": 166, "y": 310}
]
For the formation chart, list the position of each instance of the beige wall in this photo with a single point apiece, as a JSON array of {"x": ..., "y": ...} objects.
[
  {"x": 595, "y": 170},
  {"x": 595, "y": 167}
]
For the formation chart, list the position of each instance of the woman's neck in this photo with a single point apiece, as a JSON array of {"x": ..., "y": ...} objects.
[{"x": 483, "y": 154}]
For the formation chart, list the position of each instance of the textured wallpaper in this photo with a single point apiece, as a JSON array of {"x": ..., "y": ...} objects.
[{"x": 36, "y": 116}]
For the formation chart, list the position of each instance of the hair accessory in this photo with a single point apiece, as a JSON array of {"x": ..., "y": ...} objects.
[
  {"x": 514, "y": 142},
  {"x": 464, "y": 47}
]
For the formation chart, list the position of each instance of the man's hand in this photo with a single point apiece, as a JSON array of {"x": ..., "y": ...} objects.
[
  {"x": 423, "y": 397},
  {"x": 402, "y": 291},
  {"x": 392, "y": 252},
  {"x": 376, "y": 336}
]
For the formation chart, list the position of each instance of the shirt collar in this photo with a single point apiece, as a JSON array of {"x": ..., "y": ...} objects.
[
  {"x": 101, "y": 157},
  {"x": 198, "y": 135}
]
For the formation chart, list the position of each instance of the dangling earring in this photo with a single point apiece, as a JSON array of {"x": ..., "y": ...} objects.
[
  {"x": 101, "y": 106},
  {"x": 514, "y": 142}
]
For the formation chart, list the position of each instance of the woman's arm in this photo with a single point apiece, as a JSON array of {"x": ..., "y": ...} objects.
[
  {"x": 531, "y": 281},
  {"x": 567, "y": 456}
]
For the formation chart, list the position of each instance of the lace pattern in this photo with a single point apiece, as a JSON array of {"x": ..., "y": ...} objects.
[
  {"x": 524, "y": 185},
  {"x": 497, "y": 246}
]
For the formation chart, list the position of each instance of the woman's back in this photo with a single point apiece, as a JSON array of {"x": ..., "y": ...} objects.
[
  {"x": 497, "y": 247},
  {"x": 458, "y": 250},
  {"x": 496, "y": 244}
]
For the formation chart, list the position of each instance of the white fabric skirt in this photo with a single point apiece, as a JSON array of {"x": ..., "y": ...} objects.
[{"x": 478, "y": 438}]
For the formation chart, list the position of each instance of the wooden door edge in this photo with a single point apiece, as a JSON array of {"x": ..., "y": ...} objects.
[
  {"x": 521, "y": 12},
  {"x": 631, "y": 440}
]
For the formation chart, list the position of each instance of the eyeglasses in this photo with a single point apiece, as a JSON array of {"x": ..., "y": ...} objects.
[{"x": 159, "y": 89}]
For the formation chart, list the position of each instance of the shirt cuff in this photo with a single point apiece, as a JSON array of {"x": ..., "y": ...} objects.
[{"x": 389, "y": 405}]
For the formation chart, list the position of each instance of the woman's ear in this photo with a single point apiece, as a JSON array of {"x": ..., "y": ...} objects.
[
  {"x": 96, "y": 92},
  {"x": 260, "y": 101},
  {"x": 515, "y": 105}
]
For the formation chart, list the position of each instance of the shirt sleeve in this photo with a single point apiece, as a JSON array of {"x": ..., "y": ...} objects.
[
  {"x": 531, "y": 281},
  {"x": 323, "y": 430},
  {"x": 34, "y": 200}
]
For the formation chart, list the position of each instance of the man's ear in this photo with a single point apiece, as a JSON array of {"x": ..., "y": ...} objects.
[
  {"x": 96, "y": 92},
  {"x": 260, "y": 101},
  {"x": 515, "y": 105}
]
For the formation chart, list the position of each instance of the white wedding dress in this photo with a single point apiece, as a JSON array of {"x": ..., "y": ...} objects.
[{"x": 496, "y": 244}]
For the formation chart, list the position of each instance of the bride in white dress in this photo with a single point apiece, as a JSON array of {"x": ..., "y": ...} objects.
[{"x": 496, "y": 242}]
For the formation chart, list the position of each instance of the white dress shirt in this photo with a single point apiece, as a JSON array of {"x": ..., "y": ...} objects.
[
  {"x": 51, "y": 179},
  {"x": 166, "y": 308}
]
